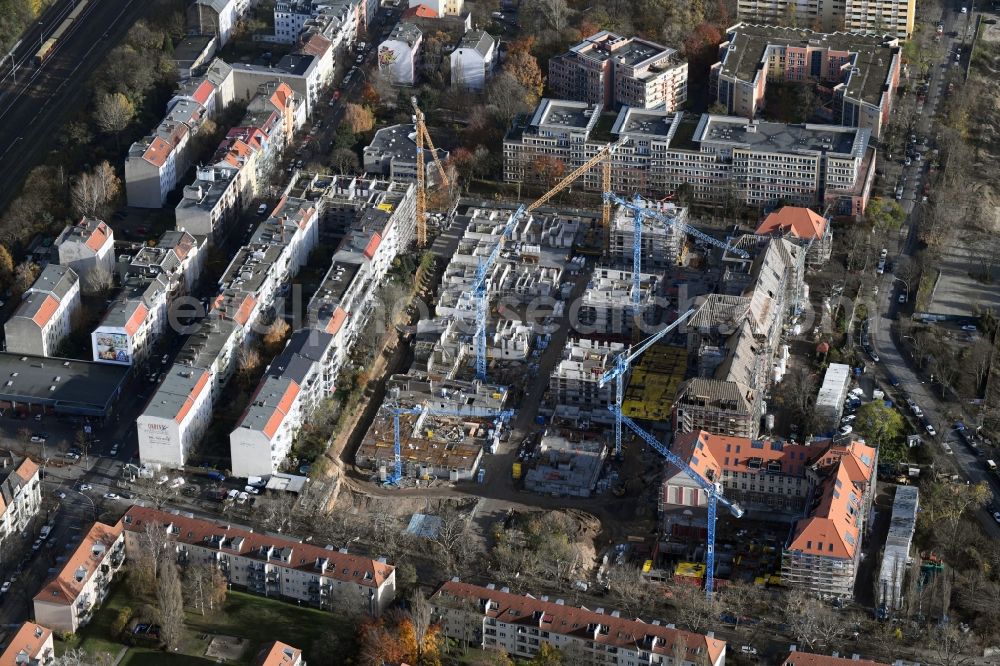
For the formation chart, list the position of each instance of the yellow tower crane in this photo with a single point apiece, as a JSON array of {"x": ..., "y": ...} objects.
[{"x": 424, "y": 138}]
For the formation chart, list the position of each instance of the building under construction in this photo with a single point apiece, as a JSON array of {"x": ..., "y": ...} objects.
[
  {"x": 653, "y": 383},
  {"x": 569, "y": 462}
]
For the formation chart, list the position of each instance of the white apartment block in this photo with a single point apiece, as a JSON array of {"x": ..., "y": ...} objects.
[
  {"x": 212, "y": 202},
  {"x": 68, "y": 601},
  {"x": 292, "y": 387},
  {"x": 155, "y": 163},
  {"x": 473, "y": 60},
  {"x": 272, "y": 566},
  {"x": 176, "y": 416},
  {"x": 610, "y": 71},
  {"x": 88, "y": 247},
  {"x": 399, "y": 53},
  {"x": 178, "y": 256},
  {"x": 133, "y": 322},
  {"x": 216, "y": 17},
  {"x": 20, "y": 499},
  {"x": 872, "y": 17},
  {"x": 495, "y": 619},
  {"x": 713, "y": 158},
  {"x": 45, "y": 316},
  {"x": 32, "y": 645}
]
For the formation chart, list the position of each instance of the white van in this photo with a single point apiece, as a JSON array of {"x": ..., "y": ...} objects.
[{"x": 990, "y": 465}]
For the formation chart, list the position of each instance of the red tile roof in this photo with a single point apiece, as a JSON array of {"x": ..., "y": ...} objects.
[
  {"x": 794, "y": 220},
  {"x": 45, "y": 311},
  {"x": 27, "y": 469},
  {"x": 808, "y": 659},
  {"x": 81, "y": 565},
  {"x": 420, "y": 11},
  {"x": 336, "y": 321},
  {"x": 242, "y": 315},
  {"x": 135, "y": 321},
  {"x": 373, "y": 244},
  {"x": 341, "y": 566},
  {"x": 578, "y": 621},
  {"x": 281, "y": 409},
  {"x": 203, "y": 92},
  {"x": 278, "y": 654},
  {"x": 282, "y": 96},
  {"x": 199, "y": 386},
  {"x": 27, "y": 642},
  {"x": 98, "y": 237},
  {"x": 157, "y": 152}
]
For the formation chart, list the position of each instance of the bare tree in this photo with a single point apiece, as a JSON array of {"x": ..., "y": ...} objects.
[
  {"x": 248, "y": 362},
  {"x": 99, "y": 280},
  {"x": 143, "y": 568},
  {"x": 421, "y": 614},
  {"x": 158, "y": 491},
  {"x": 630, "y": 591},
  {"x": 453, "y": 537},
  {"x": 171, "y": 603},
  {"x": 811, "y": 622},
  {"x": 694, "y": 609},
  {"x": 947, "y": 646},
  {"x": 94, "y": 190},
  {"x": 344, "y": 160},
  {"x": 553, "y": 14},
  {"x": 25, "y": 275},
  {"x": 113, "y": 112},
  {"x": 276, "y": 512}
]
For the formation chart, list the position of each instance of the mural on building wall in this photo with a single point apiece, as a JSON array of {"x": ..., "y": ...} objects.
[{"x": 386, "y": 56}]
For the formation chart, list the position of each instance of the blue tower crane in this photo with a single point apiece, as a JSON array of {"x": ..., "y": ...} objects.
[
  {"x": 623, "y": 362},
  {"x": 713, "y": 490},
  {"x": 639, "y": 211},
  {"x": 501, "y": 416}
]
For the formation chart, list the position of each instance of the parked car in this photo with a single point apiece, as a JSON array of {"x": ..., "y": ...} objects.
[
  {"x": 902, "y": 298},
  {"x": 262, "y": 209},
  {"x": 846, "y": 430},
  {"x": 6, "y": 584},
  {"x": 969, "y": 328},
  {"x": 930, "y": 430},
  {"x": 85, "y": 486},
  {"x": 114, "y": 451},
  {"x": 111, "y": 496}
]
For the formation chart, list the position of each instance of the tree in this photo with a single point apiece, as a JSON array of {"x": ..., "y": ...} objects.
[
  {"x": 344, "y": 160},
  {"x": 99, "y": 280},
  {"x": 547, "y": 170},
  {"x": 949, "y": 647},
  {"x": 548, "y": 655},
  {"x": 358, "y": 118},
  {"x": 421, "y": 616},
  {"x": 879, "y": 424},
  {"x": 553, "y": 13},
  {"x": 885, "y": 214},
  {"x": 24, "y": 276},
  {"x": 630, "y": 591},
  {"x": 112, "y": 113},
  {"x": 121, "y": 621},
  {"x": 6, "y": 267},
  {"x": 811, "y": 622},
  {"x": 507, "y": 98},
  {"x": 453, "y": 537},
  {"x": 274, "y": 339},
  {"x": 524, "y": 68},
  {"x": 694, "y": 610},
  {"x": 170, "y": 603},
  {"x": 248, "y": 362},
  {"x": 93, "y": 191}
]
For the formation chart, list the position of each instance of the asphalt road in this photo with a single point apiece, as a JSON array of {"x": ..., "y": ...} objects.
[
  {"x": 893, "y": 357},
  {"x": 34, "y": 100}
]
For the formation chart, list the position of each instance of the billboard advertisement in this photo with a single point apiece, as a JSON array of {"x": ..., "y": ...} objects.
[{"x": 112, "y": 348}]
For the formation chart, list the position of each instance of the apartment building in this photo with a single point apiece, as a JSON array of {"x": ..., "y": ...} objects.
[
  {"x": 440, "y": 7},
  {"x": 210, "y": 204},
  {"x": 862, "y": 72},
  {"x": 68, "y": 601},
  {"x": 832, "y": 395},
  {"x": 279, "y": 654},
  {"x": 178, "y": 256},
  {"x": 832, "y": 484},
  {"x": 735, "y": 338},
  {"x": 399, "y": 54},
  {"x": 46, "y": 313},
  {"x": 272, "y": 566},
  {"x": 337, "y": 20},
  {"x": 392, "y": 154},
  {"x": 88, "y": 247},
  {"x": 31, "y": 646},
  {"x": 133, "y": 322},
  {"x": 712, "y": 158},
  {"x": 291, "y": 389},
  {"x": 473, "y": 60},
  {"x": 216, "y": 17},
  {"x": 803, "y": 227},
  {"x": 156, "y": 162},
  {"x": 660, "y": 243},
  {"x": 20, "y": 498},
  {"x": 824, "y": 552},
  {"x": 608, "y": 305},
  {"x": 176, "y": 416},
  {"x": 797, "y": 658},
  {"x": 866, "y": 17},
  {"x": 495, "y": 619},
  {"x": 610, "y": 70},
  {"x": 575, "y": 380}
]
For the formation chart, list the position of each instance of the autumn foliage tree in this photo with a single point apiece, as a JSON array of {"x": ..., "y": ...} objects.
[
  {"x": 358, "y": 118},
  {"x": 524, "y": 67},
  {"x": 392, "y": 639}
]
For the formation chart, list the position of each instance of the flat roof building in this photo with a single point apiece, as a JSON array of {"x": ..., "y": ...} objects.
[
  {"x": 392, "y": 153},
  {"x": 40, "y": 384},
  {"x": 896, "y": 554}
]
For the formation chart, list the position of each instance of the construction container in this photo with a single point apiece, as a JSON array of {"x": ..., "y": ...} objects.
[{"x": 515, "y": 470}]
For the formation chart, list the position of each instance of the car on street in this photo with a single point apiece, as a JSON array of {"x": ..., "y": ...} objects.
[
  {"x": 847, "y": 419},
  {"x": 69, "y": 455},
  {"x": 85, "y": 486},
  {"x": 35, "y": 439},
  {"x": 902, "y": 298},
  {"x": 873, "y": 354},
  {"x": 6, "y": 584},
  {"x": 947, "y": 448},
  {"x": 969, "y": 328},
  {"x": 38, "y": 417},
  {"x": 360, "y": 59},
  {"x": 114, "y": 451},
  {"x": 111, "y": 496},
  {"x": 846, "y": 430},
  {"x": 61, "y": 495},
  {"x": 996, "y": 516},
  {"x": 262, "y": 209},
  {"x": 930, "y": 430},
  {"x": 748, "y": 649},
  {"x": 242, "y": 498}
]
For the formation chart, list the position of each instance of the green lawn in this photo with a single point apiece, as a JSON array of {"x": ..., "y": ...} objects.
[{"x": 258, "y": 619}]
